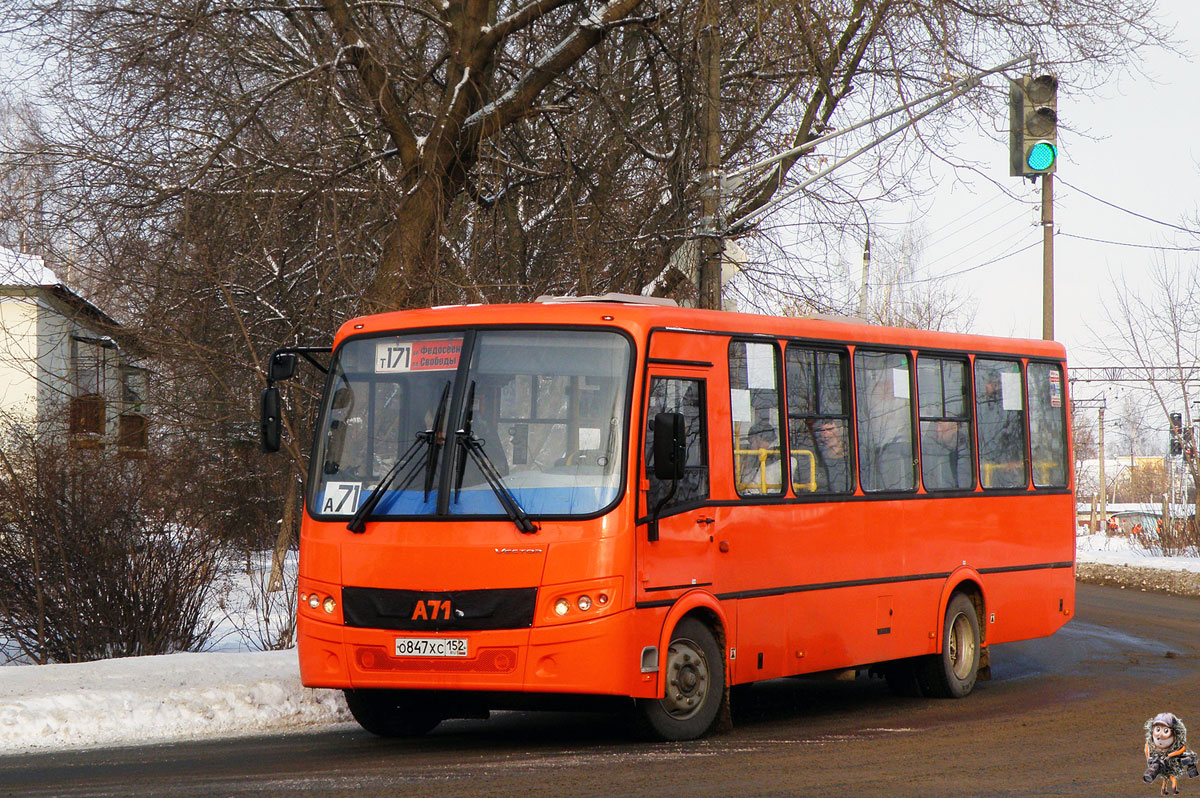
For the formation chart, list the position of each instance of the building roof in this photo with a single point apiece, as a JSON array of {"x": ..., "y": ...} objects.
[
  {"x": 25, "y": 272},
  {"x": 18, "y": 269}
]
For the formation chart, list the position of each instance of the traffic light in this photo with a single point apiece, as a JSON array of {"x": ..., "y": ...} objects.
[
  {"x": 1176, "y": 434},
  {"x": 1033, "y": 125}
]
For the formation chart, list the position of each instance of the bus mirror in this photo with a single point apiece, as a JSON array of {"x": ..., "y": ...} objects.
[
  {"x": 670, "y": 446},
  {"x": 282, "y": 366},
  {"x": 272, "y": 422}
]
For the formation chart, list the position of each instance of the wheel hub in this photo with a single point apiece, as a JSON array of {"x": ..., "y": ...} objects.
[{"x": 687, "y": 679}]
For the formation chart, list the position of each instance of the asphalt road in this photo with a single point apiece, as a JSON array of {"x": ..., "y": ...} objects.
[{"x": 1061, "y": 716}]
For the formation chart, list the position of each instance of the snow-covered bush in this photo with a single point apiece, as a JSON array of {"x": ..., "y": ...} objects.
[{"x": 93, "y": 562}]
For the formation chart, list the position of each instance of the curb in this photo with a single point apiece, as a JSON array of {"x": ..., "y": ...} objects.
[{"x": 1128, "y": 577}]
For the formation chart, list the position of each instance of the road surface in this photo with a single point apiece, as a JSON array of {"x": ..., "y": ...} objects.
[{"x": 1061, "y": 716}]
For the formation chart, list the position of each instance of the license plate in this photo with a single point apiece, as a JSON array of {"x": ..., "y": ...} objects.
[{"x": 431, "y": 646}]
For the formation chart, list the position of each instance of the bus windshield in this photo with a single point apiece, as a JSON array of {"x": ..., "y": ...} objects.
[{"x": 543, "y": 410}]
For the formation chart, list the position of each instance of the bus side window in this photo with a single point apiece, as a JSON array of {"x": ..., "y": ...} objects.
[
  {"x": 1000, "y": 417},
  {"x": 884, "y": 415},
  {"x": 1047, "y": 425},
  {"x": 818, "y": 421},
  {"x": 945, "y": 412},
  {"x": 676, "y": 395},
  {"x": 754, "y": 404}
]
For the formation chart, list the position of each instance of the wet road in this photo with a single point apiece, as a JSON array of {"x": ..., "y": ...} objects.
[{"x": 1061, "y": 716}]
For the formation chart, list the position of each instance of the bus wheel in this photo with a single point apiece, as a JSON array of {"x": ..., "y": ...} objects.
[
  {"x": 952, "y": 673},
  {"x": 393, "y": 713},
  {"x": 695, "y": 677}
]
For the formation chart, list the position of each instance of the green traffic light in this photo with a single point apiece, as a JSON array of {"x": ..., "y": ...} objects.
[{"x": 1041, "y": 156}]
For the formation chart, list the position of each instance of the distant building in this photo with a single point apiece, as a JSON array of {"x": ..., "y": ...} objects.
[{"x": 66, "y": 366}]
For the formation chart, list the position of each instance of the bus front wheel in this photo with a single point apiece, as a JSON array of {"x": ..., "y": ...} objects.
[
  {"x": 952, "y": 673},
  {"x": 694, "y": 670},
  {"x": 393, "y": 713}
]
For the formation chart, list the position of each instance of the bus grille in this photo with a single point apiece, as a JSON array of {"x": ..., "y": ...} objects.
[
  {"x": 439, "y": 611},
  {"x": 488, "y": 660}
]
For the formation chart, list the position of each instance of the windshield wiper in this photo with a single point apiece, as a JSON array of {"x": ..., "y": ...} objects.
[
  {"x": 474, "y": 447},
  {"x": 425, "y": 441}
]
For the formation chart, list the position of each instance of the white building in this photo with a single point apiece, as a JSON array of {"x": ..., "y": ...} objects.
[{"x": 64, "y": 364}]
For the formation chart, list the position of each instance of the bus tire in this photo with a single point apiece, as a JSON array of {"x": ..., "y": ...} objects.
[
  {"x": 393, "y": 713},
  {"x": 694, "y": 671},
  {"x": 952, "y": 673}
]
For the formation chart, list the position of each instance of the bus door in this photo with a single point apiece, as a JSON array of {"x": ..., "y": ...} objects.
[{"x": 682, "y": 555}]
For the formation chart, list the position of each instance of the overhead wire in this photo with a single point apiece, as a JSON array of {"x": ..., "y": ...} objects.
[
  {"x": 1129, "y": 244},
  {"x": 1127, "y": 210}
]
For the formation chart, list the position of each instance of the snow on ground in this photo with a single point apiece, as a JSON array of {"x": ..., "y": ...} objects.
[{"x": 233, "y": 690}]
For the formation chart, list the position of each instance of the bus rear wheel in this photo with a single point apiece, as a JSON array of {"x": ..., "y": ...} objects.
[
  {"x": 393, "y": 713},
  {"x": 952, "y": 673},
  {"x": 694, "y": 670}
]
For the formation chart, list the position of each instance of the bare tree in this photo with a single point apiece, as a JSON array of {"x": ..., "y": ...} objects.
[
  {"x": 499, "y": 148},
  {"x": 1159, "y": 335}
]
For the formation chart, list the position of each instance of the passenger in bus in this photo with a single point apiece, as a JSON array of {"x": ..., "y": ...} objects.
[
  {"x": 833, "y": 460},
  {"x": 1001, "y": 436},
  {"x": 945, "y": 456},
  {"x": 761, "y": 468}
]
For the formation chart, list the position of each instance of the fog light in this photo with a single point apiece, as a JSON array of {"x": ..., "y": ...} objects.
[
  {"x": 585, "y": 603},
  {"x": 562, "y": 607},
  {"x": 314, "y": 601},
  {"x": 328, "y": 605}
]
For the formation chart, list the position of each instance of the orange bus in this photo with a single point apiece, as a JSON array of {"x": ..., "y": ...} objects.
[{"x": 619, "y": 498}]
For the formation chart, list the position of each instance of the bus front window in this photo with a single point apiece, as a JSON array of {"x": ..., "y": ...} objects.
[{"x": 547, "y": 409}]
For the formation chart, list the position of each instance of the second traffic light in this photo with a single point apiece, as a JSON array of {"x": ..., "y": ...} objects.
[{"x": 1033, "y": 125}]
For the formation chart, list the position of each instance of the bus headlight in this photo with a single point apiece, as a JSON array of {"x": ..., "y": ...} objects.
[
  {"x": 579, "y": 601},
  {"x": 328, "y": 605},
  {"x": 314, "y": 601}
]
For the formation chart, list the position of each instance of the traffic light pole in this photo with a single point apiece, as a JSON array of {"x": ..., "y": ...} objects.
[{"x": 1048, "y": 257}]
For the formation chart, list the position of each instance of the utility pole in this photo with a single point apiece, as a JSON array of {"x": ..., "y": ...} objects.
[
  {"x": 1103, "y": 484},
  {"x": 712, "y": 242},
  {"x": 1048, "y": 257}
]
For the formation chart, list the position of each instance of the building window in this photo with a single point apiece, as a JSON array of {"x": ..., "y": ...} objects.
[{"x": 132, "y": 434}]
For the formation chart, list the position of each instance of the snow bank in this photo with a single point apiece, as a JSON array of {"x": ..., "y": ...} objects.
[{"x": 156, "y": 699}]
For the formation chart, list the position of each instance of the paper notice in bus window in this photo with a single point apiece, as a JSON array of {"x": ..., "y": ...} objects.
[
  {"x": 739, "y": 405},
  {"x": 1055, "y": 389},
  {"x": 760, "y": 365},
  {"x": 1010, "y": 391},
  {"x": 900, "y": 383},
  {"x": 589, "y": 437},
  {"x": 392, "y": 357}
]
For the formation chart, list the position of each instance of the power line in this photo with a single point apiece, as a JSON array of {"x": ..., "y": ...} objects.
[
  {"x": 1018, "y": 251},
  {"x": 1128, "y": 244},
  {"x": 1126, "y": 210}
]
